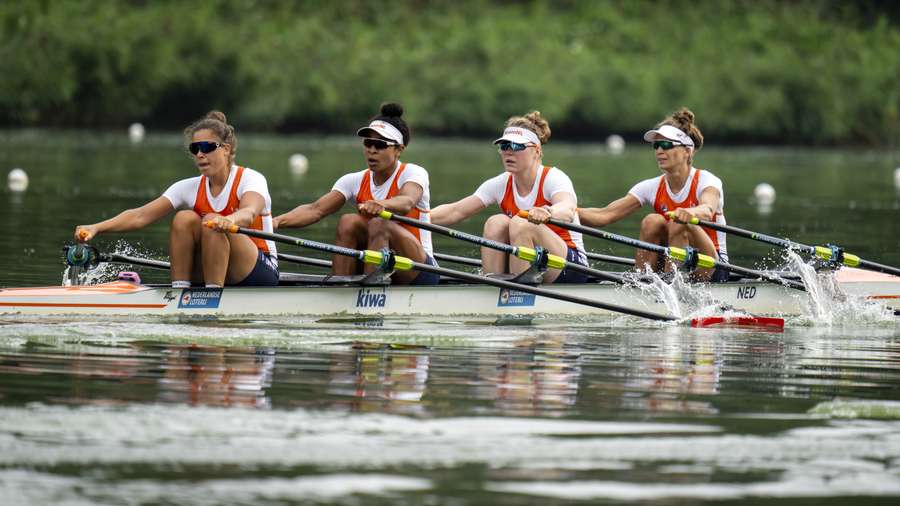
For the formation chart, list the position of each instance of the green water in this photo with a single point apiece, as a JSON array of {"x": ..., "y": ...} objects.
[{"x": 438, "y": 411}]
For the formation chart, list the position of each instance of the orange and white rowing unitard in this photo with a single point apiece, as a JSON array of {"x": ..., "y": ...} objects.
[
  {"x": 656, "y": 192},
  {"x": 359, "y": 187},
  {"x": 549, "y": 181},
  {"x": 194, "y": 193}
]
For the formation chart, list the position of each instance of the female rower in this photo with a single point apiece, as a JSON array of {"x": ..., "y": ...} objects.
[
  {"x": 527, "y": 184},
  {"x": 223, "y": 195},
  {"x": 387, "y": 184},
  {"x": 683, "y": 189}
]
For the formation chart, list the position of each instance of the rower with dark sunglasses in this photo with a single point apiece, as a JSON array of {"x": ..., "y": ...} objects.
[
  {"x": 387, "y": 184},
  {"x": 526, "y": 184},
  {"x": 682, "y": 192},
  {"x": 223, "y": 195}
]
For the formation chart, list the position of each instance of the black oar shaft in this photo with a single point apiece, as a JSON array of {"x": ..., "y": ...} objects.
[
  {"x": 822, "y": 252},
  {"x": 599, "y": 257},
  {"x": 465, "y": 276},
  {"x": 540, "y": 291},
  {"x": 667, "y": 251},
  {"x": 500, "y": 246}
]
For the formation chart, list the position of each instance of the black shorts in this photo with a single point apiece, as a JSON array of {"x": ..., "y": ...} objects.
[
  {"x": 264, "y": 273},
  {"x": 427, "y": 278},
  {"x": 573, "y": 256}
]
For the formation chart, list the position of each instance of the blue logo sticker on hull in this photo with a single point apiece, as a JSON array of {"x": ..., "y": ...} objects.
[
  {"x": 200, "y": 298},
  {"x": 512, "y": 298}
]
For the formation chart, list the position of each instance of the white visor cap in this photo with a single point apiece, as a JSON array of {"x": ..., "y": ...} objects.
[
  {"x": 520, "y": 135},
  {"x": 383, "y": 129},
  {"x": 671, "y": 133}
]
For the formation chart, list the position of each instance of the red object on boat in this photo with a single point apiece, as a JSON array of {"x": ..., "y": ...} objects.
[{"x": 764, "y": 322}]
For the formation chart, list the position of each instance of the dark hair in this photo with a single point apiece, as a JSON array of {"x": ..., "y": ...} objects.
[
  {"x": 683, "y": 119},
  {"x": 532, "y": 121},
  {"x": 391, "y": 112},
  {"x": 215, "y": 121}
]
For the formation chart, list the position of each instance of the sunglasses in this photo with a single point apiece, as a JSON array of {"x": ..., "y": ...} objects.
[
  {"x": 378, "y": 144},
  {"x": 665, "y": 145},
  {"x": 512, "y": 146},
  {"x": 204, "y": 147}
]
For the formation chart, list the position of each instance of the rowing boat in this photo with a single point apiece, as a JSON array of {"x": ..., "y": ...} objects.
[{"x": 324, "y": 296}]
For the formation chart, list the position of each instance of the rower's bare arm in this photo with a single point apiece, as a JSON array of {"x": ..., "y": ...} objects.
[
  {"x": 307, "y": 214},
  {"x": 128, "y": 220},
  {"x": 252, "y": 205},
  {"x": 705, "y": 210},
  {"x": 613, "y": 212},
  {"x": 563, "y": 206},
  {"x": 449, "y": 214},
  {"x": 405, "y": 200}
]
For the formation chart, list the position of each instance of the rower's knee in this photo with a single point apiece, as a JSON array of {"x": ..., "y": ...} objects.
[
  {"x": 520, "y": 227},
  {"x": 377, "y": 227},
  {"x": 676, "y": 232},
  {"x": 497, "y": 227},
  {"x": 186, "y": 220},
  {"x": 653, "y": 227},
  {"x": 350, "y": 226}
]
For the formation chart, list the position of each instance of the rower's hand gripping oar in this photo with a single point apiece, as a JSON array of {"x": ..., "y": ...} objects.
[
  {"x": 829, "y": 253},
  {"x": 690, "y": 257},
  {"x": 404, "y": 264},
  {"x": 522, "y": 252}
]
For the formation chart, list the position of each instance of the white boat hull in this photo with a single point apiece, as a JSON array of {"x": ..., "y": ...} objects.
[{"x": 126, "y": 298}]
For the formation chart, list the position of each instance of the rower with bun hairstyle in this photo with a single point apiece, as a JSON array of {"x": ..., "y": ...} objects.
[
  {"x": 526, "y": 184},
  {"x": 386, "y": 183},
  {"x": 682, "y": 192},
  {"x": 223, "y": 195}
]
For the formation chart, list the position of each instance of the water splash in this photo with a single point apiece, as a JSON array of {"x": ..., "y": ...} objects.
[
  {"x": 105, "y": 272},
  {"x": 827, "y": 304},
  {"x": 681, "y": 297}
]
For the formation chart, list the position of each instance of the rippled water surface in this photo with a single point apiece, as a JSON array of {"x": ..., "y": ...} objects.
[{"x": 440, "y": 411}]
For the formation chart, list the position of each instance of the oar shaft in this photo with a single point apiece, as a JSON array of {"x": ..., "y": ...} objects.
[
  {"x": 822, "y": 252},
  {"x": 749, "y": 234},
  {"x": 677, "y": 253},
  {"x": 403, "y": 263},
  {"x": 519, "y": 252},
  {"x": 599, "y": 257}
]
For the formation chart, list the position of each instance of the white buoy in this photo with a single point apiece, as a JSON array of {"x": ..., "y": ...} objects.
[
  {"x": 615, "y": 144},
  {"x": 17, "y": 180},
  {"x": 765, "y": 194},
  {"x": 897, "y": 178},
  {"x": 136, "y": 133},
  {"x": 299, "y": 164}
]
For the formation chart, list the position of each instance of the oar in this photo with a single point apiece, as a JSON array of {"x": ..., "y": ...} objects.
[
  {"x": 522, "y": 252},
  {"x": 600, "y": 257},
  {"x": 673, "y": 252},
  {"x": 95, "y": 256},
  {"x": 823, "y": 252},
  {"x": 404, "y": 264}
]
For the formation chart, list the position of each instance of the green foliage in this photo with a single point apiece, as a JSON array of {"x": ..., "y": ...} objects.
[{"x": 752, "y": 71}]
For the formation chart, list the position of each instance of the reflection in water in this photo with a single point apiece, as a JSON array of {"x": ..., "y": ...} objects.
[
  {"x": 395, "y": 375},
  {"x": 216, "y": 376},
  {"x": 536, "y": 376}
]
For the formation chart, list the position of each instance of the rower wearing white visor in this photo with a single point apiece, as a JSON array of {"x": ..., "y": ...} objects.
[
  {"x": 526, "y": 184},
  {"x": 386, "y": 184},
  {"x": 682, "y": 192}
]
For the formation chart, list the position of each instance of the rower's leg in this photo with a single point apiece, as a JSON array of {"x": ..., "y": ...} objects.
[
  {"x": 653, "y": 230},
  {"x": 682, "y": 236},
  {"x": 352, "y": 232},
  {"x": 496, "y": 228},
  {"x": 227, "y": 258},
  {"x": 184, "y": 239},
  {"x": 388, "y": 234},
  {"x": 524, "y": 233}
]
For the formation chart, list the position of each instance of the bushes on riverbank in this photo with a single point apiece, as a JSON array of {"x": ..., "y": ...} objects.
[{"x": 761, "y": 71}]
